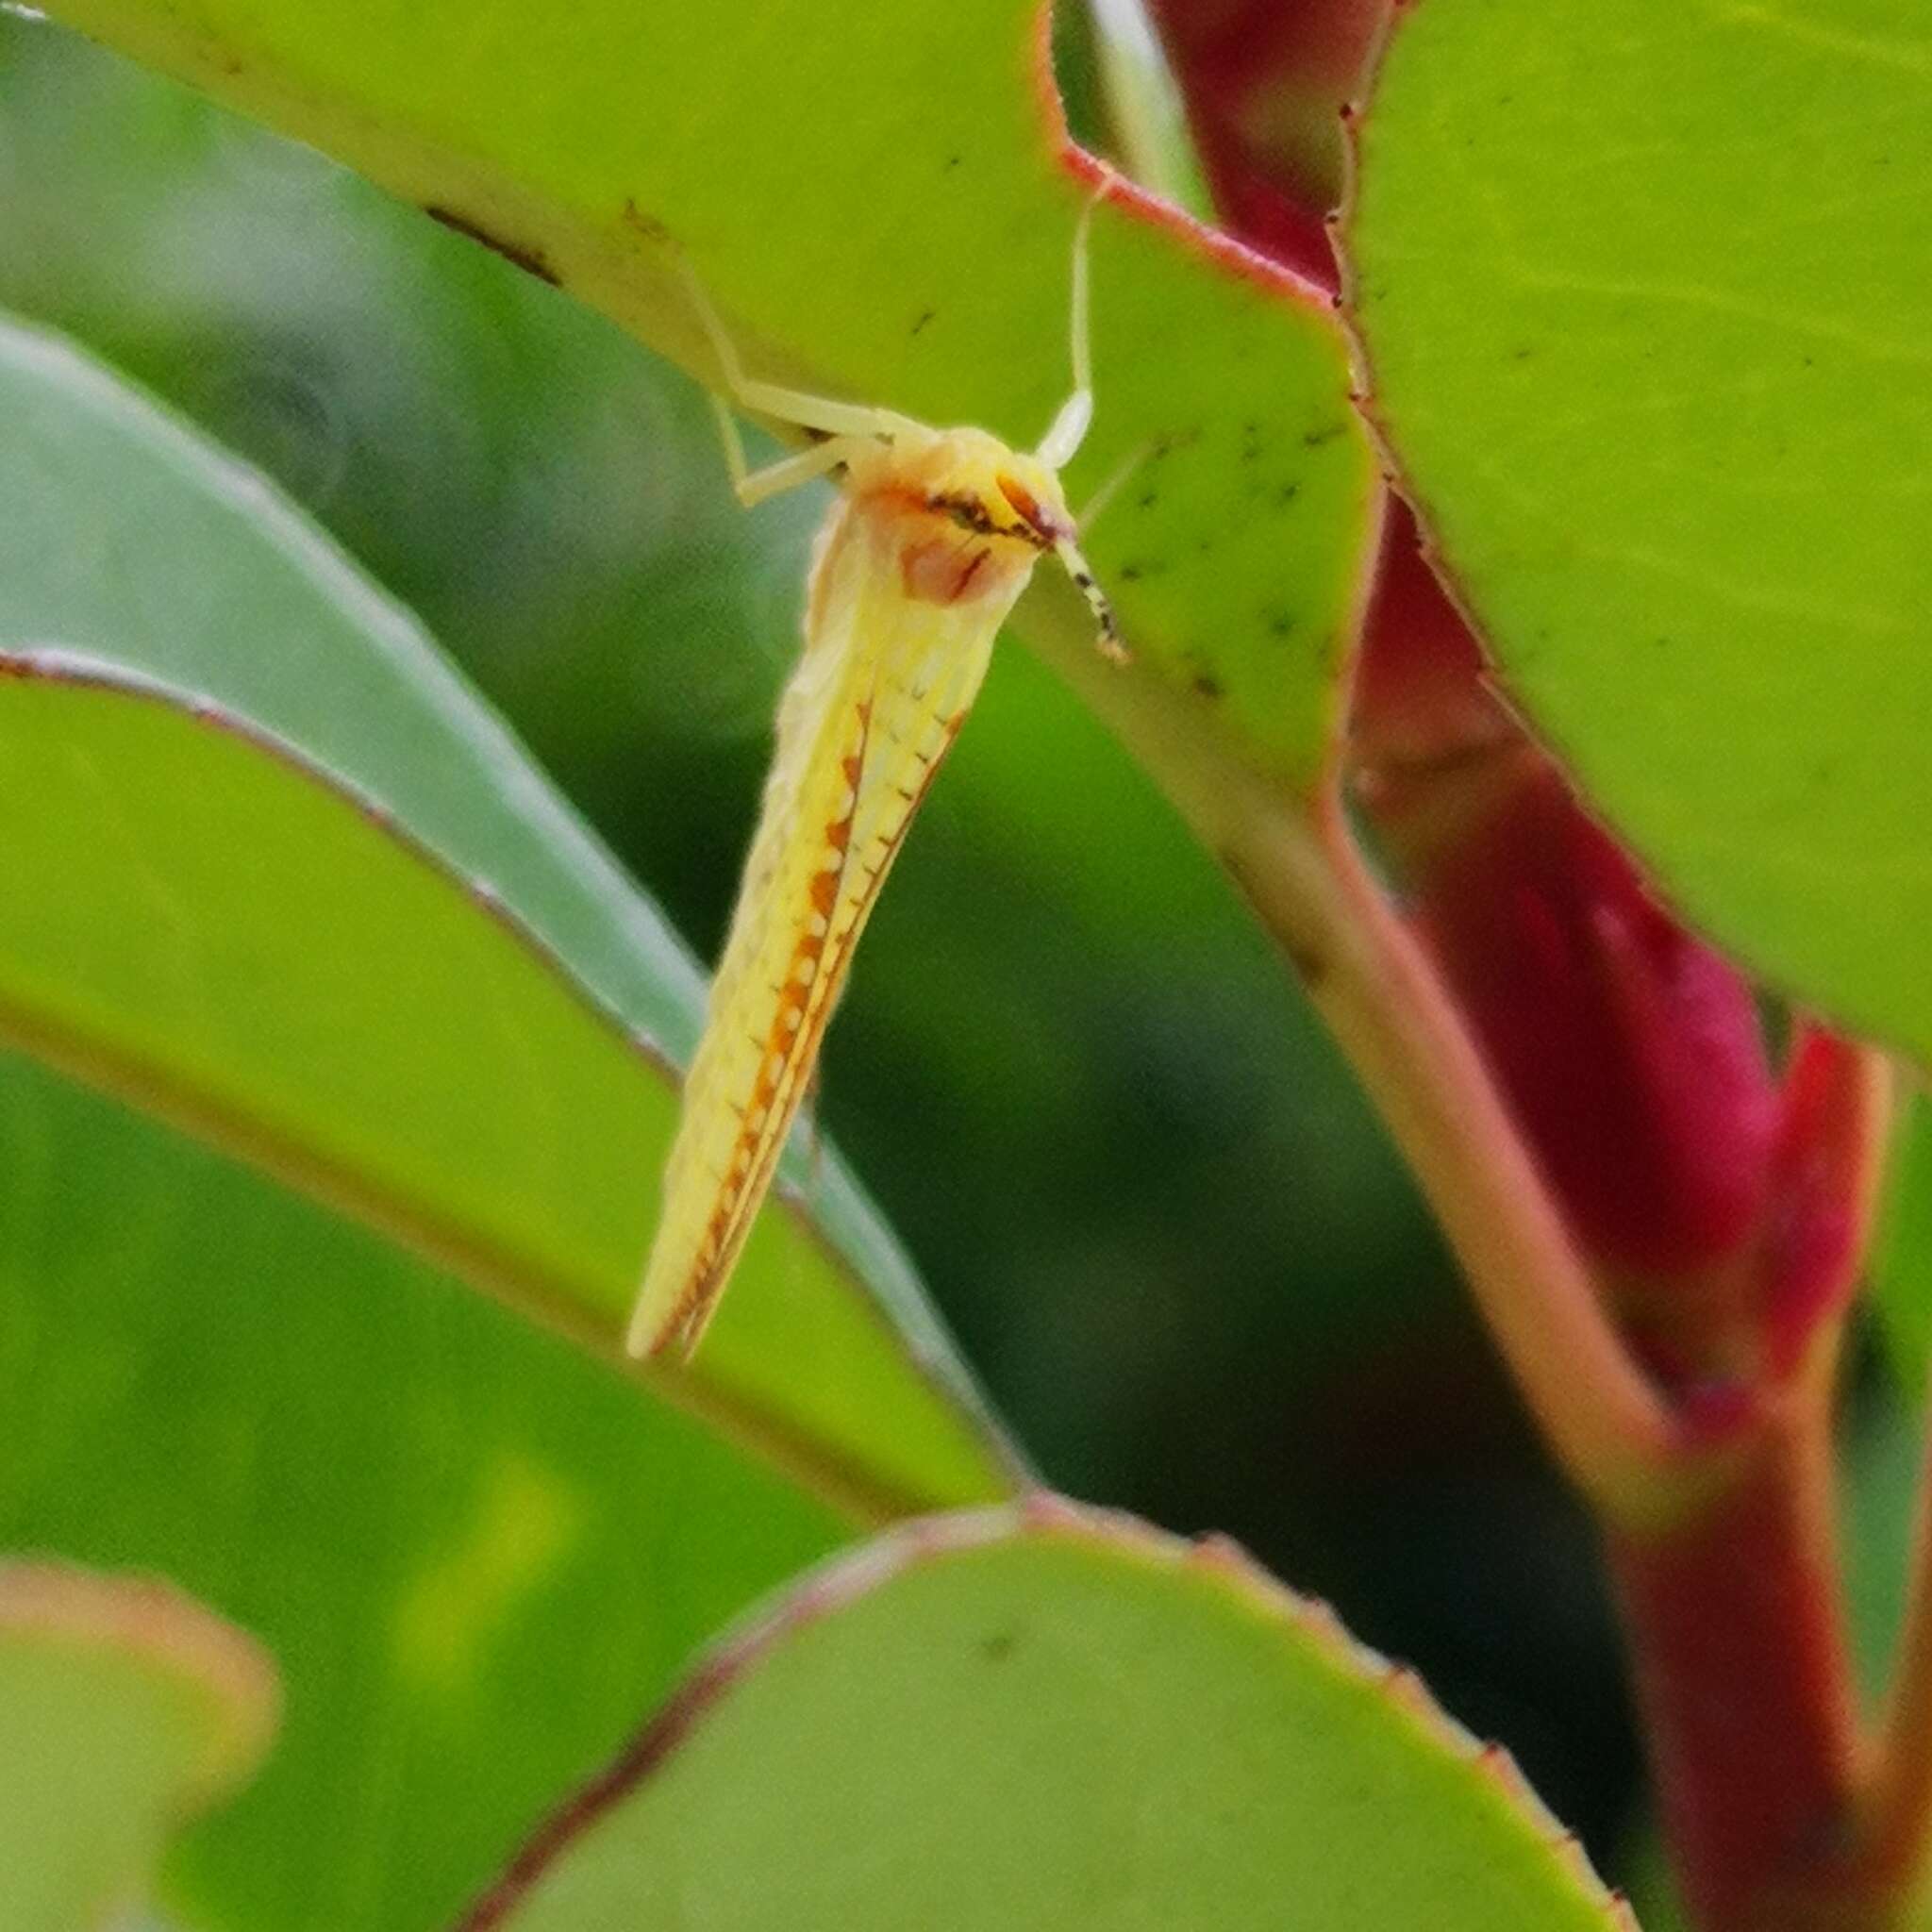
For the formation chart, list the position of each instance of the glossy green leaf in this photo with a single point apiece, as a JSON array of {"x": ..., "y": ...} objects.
[
  {"x": 1096, "y": 1091},
  {"x": 403, "y": 974},
  {"x": 125, "y": 1708},
  {"x": 1046, "y": 1720},
  {"x": 882, "y": 208},
  {"x": 471, "y": 1549},
  {"x": 1644, "y": 295}
]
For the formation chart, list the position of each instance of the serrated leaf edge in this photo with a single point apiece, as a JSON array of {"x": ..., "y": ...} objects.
[{"x": 1042, "y": 1517}]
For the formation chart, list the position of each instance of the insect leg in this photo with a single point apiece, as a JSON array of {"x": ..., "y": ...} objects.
[
  {"x": 733, "y": 442},
  {"x": 822, "y": 413},
  {"x": 788, "y": 473}
]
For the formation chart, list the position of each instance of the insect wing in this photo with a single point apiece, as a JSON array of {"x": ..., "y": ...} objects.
[{"x": 878, "y": 696}]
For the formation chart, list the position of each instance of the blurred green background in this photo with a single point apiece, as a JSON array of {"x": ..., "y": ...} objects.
[{"x": 1078, "y": 1082}]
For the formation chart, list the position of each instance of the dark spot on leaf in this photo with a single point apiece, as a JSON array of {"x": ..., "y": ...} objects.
[
  {"x": 926, "y": 315},
  {"x": 1280, "y": 622},
  {"x": 1287, "y": 492},
  {"x": 1316, "y": 438},
  {"x": 999, "y": 1645},
  {"x": 647, "y": 226},
  {"x": 531, "y": 261},
  {"x": 1208, "y": 685}
]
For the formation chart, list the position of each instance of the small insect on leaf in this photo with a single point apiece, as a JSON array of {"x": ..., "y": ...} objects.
[{"x": 933, "y": 538}]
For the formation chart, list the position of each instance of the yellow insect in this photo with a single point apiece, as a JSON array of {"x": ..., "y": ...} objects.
[{"x": 933, "y": 538}]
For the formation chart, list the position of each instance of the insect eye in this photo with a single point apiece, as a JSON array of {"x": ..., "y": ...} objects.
[
  {"x": 1036, "y": 526},
  {"x": 967, "y": 511},
  {"x": 1027, "y": 508}
]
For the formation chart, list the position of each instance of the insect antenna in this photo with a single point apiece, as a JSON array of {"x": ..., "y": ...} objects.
[
  {"x": 1089, "y": 512},
  {"x": 1063, "y": 439},
  {"x": 1081, "y": 571}
]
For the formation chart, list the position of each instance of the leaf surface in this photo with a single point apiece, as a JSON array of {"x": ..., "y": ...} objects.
[
  {"x": 126, "y": 1709},
  {"x": 1040, "y": 1721},
  {"x": 472, "y": 1548},
  {"x": 275, "y": 871},
  {"x": 1902, "y": 1261},
  {"x": 1644, "y": 299},
  {"x": 887, "y": 214}
]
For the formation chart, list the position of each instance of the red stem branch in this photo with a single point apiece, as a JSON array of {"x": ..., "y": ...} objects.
[
  {"x": 1294, "y": 858},
  {"x": 1738, "y": 1652}
]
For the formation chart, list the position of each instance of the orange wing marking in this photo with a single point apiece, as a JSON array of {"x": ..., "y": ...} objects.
[
  {"x": 790, "y": 1047},
  {"x": 820, "y": 962}
]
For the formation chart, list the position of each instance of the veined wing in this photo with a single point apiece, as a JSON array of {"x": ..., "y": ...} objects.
[{"x": 880, "y": 692}]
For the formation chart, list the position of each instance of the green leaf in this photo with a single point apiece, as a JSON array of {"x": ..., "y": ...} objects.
[
  {"x": 1645, "y": 297},
  {"x": 884, "y": 209},
  {"x": 1902, "y": 1261},
  {"x": 126, "y": 1709},
  {"x": 548, "y": 498},
  {"x": 1036, "y": 1720},
  {"x": 471, "y": 1549},
  {"x": 353, "y": 933}
]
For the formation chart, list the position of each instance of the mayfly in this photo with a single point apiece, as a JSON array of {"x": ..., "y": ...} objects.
[{"x": 933, "y": 538}]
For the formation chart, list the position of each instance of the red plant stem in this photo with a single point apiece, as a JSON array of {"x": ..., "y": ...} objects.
[
  {"x": 1721, "y": 1535},
  {"x": 1738, "y": 1655},
  {"x": 1720, "y": 1519},
  {"x": 1381, "y": 995},
  {"x": 1293, "y": 857},
  {"x": 1778, "y": 1818},
  {"x": 1895, "y": 1825}
]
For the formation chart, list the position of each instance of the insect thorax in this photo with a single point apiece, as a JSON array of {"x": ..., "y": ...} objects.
[{"x": 966, "y": 515}]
